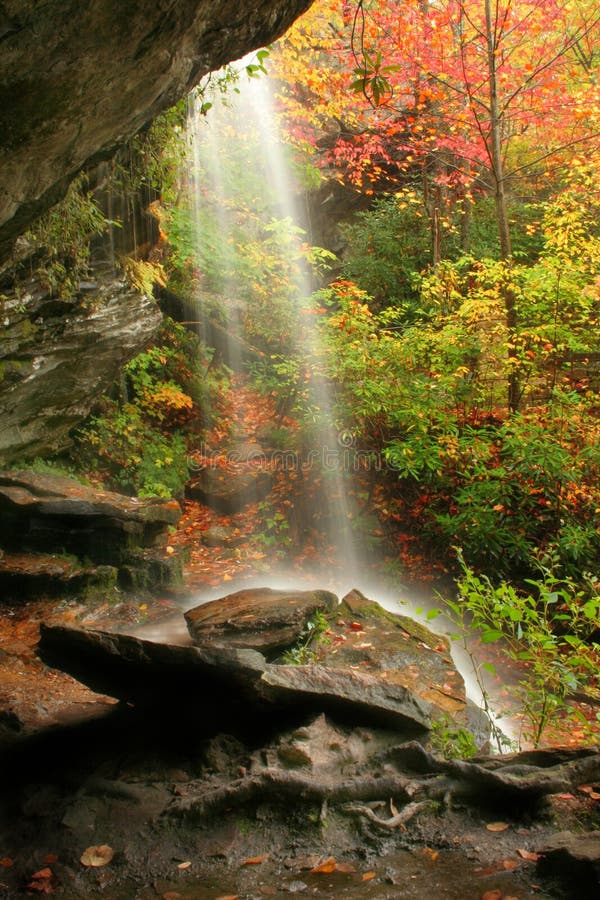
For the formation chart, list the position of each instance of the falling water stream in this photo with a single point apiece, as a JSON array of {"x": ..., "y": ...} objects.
[{"x": 243, "y": 188}]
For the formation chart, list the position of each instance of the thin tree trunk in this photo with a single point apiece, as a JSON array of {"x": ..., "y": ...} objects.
[{"x": 495, "y": 149}]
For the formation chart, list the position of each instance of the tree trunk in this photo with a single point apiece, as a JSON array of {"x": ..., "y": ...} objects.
[{"x": 497, "y": 164}]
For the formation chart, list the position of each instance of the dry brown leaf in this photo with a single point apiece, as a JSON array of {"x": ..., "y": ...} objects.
[
  {"x": 228, "y": 897},
  {"x": 255, "y": 860},
  {"x": 185, "y": 865},
  {"x": 368, "y": 876},
  {"x": 497, "y": 826},
  {"x": 432, "y": 854},
  {"x": 172, "y": 895},
  {"x": 586, "y": 788},
  {"x": 564, "y": 796},
  {"x": 6, "y": 862},
  {"x": 97, "y": 856},
  {"x": 267, "y": 891},
  {"x": 594, "y": 795},
  {"x": 326, "y": 867},
  {"x": 528, "y": 855}
]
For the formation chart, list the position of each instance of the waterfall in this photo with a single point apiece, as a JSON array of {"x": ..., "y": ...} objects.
[{"x": 245, "y": 197}]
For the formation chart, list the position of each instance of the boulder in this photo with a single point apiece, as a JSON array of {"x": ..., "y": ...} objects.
[
  {"x": 23, "y": 575},
  {"x": 257, "y": 618},
  {"x": 398, "y": 652},
  {"x": 58, "y": 356},
  {"x": 396, "y": 685},
  {"x": 221, "y": 536},
  {"x": 229, "y": 490},
  {"x": 78, "y": 80},
  {"x": 46, "y": 514},
  {"x": 573, "y": 860}
]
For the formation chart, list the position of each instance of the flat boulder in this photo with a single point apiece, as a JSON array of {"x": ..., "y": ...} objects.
[
  {"x": 258, "y": 618},
  {"x": 52, "y": 513},
  {"x": 364, "y": 665},
  {"x": 397, "y": 652}
]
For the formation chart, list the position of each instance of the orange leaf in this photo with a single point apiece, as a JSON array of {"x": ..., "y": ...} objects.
[
  {"x": 497, "y": 826},
  {"x": 368, "y": 876},
  {"x": 325, "y": 868},
  {"x": 5, "y": 862},
  {"x": 529, "y": 855},
  {"x": 492, "y": 895},
  {"x": 356, "y": 626},
  {"x": 42, "y": 874},
  {"x": 509, "y": 864},
  {"x": 184, "y": 865},
  {"x": 255, "y": 860}
]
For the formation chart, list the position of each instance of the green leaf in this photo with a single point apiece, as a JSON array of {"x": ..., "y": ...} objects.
[{"x": 490, "y": 636}]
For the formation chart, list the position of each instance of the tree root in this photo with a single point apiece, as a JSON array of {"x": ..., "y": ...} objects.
[
  {"x": 408, "y": 773},
  {"x": 398, "y": 820}
]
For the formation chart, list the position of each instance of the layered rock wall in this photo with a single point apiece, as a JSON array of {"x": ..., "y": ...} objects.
[{"x": 80, "y": 77}]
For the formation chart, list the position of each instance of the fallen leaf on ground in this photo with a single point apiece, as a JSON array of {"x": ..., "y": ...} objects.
[
  {"x": 97, "y": 856},
  {"x": 42, "y": 882},
  {"x": 356, "y": 626},
  {"x": 228, "y": 897},
  {"x": 185, "y": 865},
  {"x": 326, "y": 867},
  {"x": 50, "y": 859},
  {"x": 509, "y": 864},
  {"x": 564, "y": 796},
  {"x": 255, "y": 860},
  {"x": 5, "y": 862},
  {"x": 497, "y": 826},
  {"x": 492, "y": 895},
  {"x": 529, "y": 855},
  {"x": 368, "y": 876}
]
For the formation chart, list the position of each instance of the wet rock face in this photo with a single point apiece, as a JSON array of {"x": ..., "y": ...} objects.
[
  {"x": 43, "y": 514},
  {"x": 57, "y": 357},
  {"x": 78, "y": 79}
]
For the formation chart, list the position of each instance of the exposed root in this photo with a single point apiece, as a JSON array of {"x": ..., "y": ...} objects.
[
  {"x": 398, "y": 820},
  {"x": 407, "y": 772}
]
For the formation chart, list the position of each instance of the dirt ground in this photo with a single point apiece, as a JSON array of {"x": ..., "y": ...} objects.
[{"x": 79, "y": 771}]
